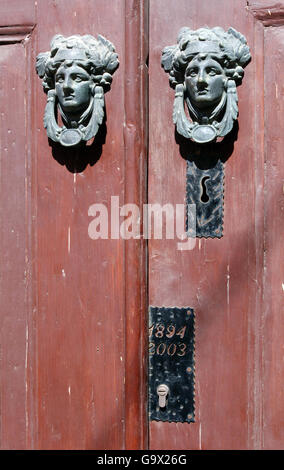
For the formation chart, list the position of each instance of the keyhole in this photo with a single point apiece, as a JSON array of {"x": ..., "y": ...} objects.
[
  {"x": 162, "y": 392},
  {"x": 204, "y": 196}
]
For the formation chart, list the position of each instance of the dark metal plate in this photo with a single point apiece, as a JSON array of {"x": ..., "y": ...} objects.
[
  {"x": 171, "y": 362},
  {"x": 205, "y": 189}
]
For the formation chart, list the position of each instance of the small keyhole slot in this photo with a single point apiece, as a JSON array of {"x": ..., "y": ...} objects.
[{"x": 204, "y": 196}]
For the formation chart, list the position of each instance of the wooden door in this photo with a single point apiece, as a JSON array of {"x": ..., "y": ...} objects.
[
  {"x": 71, "y": 307},
  {"x": 234, "y": 284},
  {"x": 73, "y": 315}
]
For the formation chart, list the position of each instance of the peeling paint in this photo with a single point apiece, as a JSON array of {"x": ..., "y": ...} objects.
[
  {"x": 74, "y": 180},
  {"x": 228, "y": 284}
]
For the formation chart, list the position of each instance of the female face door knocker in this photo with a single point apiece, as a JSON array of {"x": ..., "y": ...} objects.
[
  {"x": 205, "y": 68},
  {"x": 75, "y": 74}
]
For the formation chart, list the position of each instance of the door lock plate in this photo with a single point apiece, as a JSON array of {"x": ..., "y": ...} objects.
[
  {"x": 205, "y": 189},
  {"x": 171, "y": 364}
]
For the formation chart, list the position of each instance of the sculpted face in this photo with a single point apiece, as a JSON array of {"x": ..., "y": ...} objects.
[
  {"x": 204, "y": 81},
  {"x": 73, "y": 88},
  {"x": 76, "y": 73}
]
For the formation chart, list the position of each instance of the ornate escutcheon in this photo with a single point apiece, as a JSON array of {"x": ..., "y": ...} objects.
[
  {"x": 76, "y": 73},
  {"x": 171, "y": 364},
  {"x": 205, "y": 68}
]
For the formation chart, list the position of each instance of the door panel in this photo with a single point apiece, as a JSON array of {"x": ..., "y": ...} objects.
[
  {"x": 273, "y": 367},
  {"x": 73, "y": 310},
  {"x": 15, "y": 295},
  {"x": 67, "y": 333},
  {"x": 233, "y": 283}
]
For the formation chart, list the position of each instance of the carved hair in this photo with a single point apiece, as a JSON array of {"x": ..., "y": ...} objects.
[
  {"x": 99, "y": 59},
  {"x": 232, "y": 52}
]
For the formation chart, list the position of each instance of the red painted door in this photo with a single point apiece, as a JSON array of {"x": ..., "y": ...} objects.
[
  {"x": 73, "y": 310},
  {"x": 71, "y": 307},
  {"x": 234, "y": 284}
]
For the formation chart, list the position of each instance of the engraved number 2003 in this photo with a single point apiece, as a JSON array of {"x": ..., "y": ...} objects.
[{"x": 171, "y": 349}]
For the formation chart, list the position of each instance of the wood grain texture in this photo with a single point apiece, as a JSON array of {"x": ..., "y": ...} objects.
[
  {"x": 273, "y": 306},
  {"x": 135, "y": 142},
  {"x": 14, "y": 279},
  {"x": 268, "y": 12},
  {"x": 80, "y": 282},
  {"x": 72, "y": 315},
  {"x": 238, "y": 357},
  {"x": 69, "y": 378}
]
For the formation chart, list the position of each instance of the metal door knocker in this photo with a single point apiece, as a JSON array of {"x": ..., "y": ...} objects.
[
  {"x": 205, "y": 68},
  {"x": 76, "y": 73}
]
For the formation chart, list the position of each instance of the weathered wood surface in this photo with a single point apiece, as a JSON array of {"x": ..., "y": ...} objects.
[
  {"x": 72, "y": 310},
  {"x": 234, "y": 284},
  {"x": 71, "y": 307}
]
